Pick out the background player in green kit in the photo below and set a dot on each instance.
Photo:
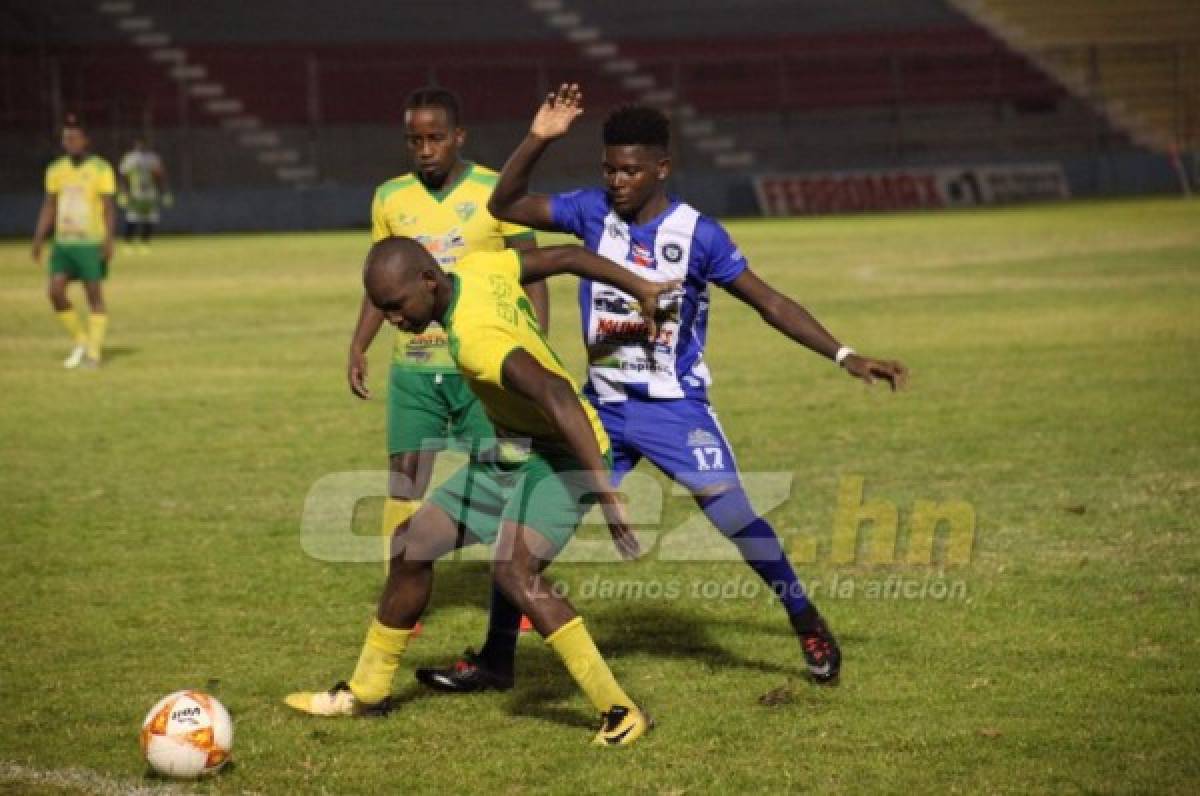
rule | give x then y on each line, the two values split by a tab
144	188
442	204
79	209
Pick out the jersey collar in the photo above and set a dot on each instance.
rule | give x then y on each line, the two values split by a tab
672	203
440	196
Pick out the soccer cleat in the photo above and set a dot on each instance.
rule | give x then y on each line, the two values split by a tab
821	652
76	357
467	675
337	701
526	626
91	363
622	726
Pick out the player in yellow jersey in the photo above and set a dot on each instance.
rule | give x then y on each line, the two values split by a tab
79	209
526	492
442	204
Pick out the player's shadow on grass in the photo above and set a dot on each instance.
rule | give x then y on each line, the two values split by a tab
652	631
113	353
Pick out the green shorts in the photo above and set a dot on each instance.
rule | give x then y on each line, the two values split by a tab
549	492
79	261
425	410
142	211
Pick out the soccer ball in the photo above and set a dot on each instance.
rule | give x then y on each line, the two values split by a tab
187	734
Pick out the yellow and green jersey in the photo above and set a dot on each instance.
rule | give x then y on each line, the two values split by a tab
451	224
79	191
488	318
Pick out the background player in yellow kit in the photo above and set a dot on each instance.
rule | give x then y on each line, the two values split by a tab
79	209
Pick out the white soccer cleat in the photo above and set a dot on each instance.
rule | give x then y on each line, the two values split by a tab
76	357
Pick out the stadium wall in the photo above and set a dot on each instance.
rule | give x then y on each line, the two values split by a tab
717	193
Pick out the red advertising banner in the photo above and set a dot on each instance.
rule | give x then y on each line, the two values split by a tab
908	189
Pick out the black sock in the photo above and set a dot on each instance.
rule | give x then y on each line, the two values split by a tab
805	622
504	625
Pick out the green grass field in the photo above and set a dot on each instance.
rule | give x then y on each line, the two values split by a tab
151	537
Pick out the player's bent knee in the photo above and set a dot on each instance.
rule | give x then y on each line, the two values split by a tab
514	580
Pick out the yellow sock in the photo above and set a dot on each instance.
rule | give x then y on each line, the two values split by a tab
381	652
97	326
574	645
69	318
394	512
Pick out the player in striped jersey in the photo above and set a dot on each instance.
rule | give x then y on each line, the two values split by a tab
653	398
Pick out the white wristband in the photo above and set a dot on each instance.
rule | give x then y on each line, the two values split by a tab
842	353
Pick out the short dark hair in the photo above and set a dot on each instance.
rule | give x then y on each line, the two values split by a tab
71	122
637	125
435	97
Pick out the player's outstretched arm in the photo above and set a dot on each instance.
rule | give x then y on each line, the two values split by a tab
797	323
558	400
553	260
511	199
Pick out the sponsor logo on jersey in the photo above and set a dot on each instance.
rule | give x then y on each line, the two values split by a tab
615	229
608	329
699	437
612	303
444	248
640	255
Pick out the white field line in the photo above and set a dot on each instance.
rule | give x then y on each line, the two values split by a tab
79	779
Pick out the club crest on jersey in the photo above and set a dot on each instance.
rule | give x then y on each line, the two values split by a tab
672	253
640	255
403	219
465	210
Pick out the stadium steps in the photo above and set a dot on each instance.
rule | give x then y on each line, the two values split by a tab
721	148
1136	61
245	129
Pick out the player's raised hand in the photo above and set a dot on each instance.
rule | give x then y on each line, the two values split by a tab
561	108
869	370
356	374
623	537
652	296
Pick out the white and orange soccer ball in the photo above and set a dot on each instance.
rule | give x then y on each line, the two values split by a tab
187	734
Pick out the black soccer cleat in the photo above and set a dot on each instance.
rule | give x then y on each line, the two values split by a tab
821	652
466	675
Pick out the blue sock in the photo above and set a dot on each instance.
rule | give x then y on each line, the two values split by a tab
504	626
755	539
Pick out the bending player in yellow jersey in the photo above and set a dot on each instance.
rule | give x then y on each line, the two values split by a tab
442	204
526	492
79	209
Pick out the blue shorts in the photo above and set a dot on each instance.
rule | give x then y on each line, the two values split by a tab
680	437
